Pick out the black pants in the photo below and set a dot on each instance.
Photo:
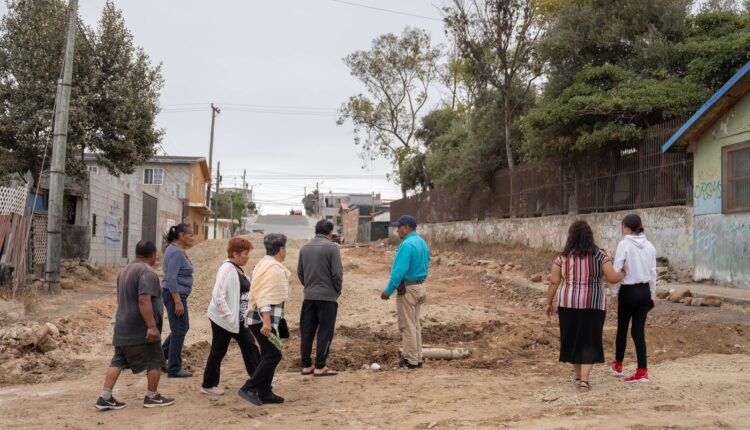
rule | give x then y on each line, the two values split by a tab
634	302
219	346
317	316
270	357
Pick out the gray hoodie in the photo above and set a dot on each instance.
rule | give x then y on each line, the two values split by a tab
637	256
320	270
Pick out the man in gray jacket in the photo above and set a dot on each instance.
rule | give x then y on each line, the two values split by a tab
321	273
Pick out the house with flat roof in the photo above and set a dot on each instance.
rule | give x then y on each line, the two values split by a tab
105	216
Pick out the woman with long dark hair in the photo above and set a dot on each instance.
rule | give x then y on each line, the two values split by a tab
178	283
635	297
581	302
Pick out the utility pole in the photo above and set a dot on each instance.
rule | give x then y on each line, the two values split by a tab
231	214
216	206
317	200
59	144
214	111
244	198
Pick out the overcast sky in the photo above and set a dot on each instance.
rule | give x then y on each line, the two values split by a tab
267	53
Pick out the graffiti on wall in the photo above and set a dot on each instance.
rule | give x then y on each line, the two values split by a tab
705	241
707	196
114	208
708	190
112	233
722	247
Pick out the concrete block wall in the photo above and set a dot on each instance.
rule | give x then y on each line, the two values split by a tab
722	248
670	229
351	226
106	200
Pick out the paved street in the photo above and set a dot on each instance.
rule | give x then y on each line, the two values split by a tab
294	227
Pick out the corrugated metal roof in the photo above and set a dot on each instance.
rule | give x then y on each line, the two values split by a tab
729	94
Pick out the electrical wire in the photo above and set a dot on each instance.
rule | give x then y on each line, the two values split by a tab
252	108
386	10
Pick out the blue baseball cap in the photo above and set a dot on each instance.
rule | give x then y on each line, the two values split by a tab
405	220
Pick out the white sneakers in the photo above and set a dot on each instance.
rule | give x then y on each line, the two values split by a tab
215	391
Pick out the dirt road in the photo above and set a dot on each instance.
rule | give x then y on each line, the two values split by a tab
699	363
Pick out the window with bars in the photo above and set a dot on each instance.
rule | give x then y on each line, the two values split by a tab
93	169
736	178
153	176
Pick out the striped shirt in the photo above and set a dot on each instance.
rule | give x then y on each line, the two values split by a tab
582	281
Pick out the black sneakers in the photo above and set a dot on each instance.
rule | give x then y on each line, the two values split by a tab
109	405
403	364
251	396
272	399
157	402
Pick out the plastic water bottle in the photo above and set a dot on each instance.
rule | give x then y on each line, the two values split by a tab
276	341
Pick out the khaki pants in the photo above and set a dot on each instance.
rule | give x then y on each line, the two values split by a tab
408	307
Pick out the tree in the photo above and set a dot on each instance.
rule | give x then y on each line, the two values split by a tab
397	73
445	134
230	205
604	106
125	99
456	77
715	46
414	173
462	145
636	35
498	38
720	6
114	97
309	202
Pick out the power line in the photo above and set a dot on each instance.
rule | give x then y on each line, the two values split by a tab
203	106
259	111
270	172
386	10
292	177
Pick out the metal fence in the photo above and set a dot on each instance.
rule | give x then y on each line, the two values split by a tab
631	176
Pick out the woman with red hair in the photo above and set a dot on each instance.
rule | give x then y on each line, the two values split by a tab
229	301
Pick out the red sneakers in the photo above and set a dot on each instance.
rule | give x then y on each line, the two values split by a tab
616	368
641	375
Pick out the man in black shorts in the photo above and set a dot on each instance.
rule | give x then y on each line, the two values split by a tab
137	337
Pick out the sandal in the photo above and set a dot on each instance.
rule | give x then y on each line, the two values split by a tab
325	372
305	372
576	381
584	385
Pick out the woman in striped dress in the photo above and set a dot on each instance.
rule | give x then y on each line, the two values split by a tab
581	305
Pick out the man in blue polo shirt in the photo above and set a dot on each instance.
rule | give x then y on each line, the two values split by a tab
408	277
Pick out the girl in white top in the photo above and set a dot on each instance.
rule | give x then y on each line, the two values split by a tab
633	299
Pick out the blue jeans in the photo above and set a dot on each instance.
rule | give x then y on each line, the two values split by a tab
178	327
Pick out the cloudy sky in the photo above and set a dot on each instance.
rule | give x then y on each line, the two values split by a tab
275	70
